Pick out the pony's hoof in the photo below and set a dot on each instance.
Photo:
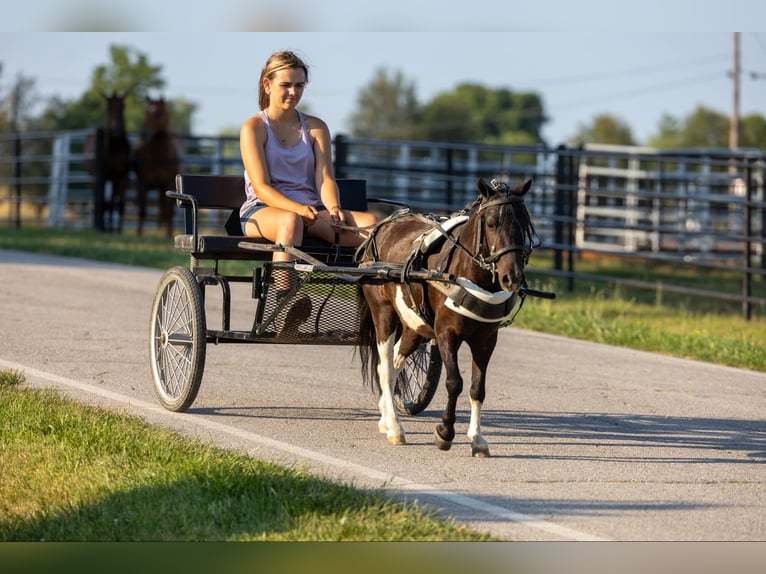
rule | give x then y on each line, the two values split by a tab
480	452
396	439
440	443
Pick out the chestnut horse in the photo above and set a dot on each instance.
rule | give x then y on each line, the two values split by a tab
109	150
485	250
157	162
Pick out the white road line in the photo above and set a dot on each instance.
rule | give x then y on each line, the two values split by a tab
390	481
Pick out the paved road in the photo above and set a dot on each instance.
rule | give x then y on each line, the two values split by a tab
589	442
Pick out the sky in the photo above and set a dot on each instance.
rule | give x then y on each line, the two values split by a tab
635	62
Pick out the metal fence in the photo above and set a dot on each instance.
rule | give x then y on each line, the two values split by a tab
693	211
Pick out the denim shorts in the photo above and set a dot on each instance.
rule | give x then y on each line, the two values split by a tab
245	217
253	209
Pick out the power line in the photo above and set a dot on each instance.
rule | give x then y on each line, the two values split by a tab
629	72
648	90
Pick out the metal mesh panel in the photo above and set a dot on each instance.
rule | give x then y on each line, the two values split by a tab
320	308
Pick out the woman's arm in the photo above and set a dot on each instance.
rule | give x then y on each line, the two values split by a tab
323	175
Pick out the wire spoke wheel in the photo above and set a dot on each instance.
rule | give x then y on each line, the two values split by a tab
417	383
178	338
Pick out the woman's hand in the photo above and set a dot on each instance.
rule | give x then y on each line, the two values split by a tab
336	214
309	215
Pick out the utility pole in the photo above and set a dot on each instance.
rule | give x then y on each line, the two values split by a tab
734	122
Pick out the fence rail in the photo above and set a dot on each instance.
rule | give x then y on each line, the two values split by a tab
701	210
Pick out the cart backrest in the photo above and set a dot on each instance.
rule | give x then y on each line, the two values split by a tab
227	192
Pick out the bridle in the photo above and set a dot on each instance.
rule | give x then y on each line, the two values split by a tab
486	256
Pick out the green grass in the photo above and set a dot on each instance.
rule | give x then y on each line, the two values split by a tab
682	331
77	473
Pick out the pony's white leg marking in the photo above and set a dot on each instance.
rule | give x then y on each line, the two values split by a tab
398	360
389	422
407	315
382	425
479	446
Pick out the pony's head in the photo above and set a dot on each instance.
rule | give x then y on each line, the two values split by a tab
505	236
115	110
156	116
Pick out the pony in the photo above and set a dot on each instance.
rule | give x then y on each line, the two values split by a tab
109	155
481	254
156	163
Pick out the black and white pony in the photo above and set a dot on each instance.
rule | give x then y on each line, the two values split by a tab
485	250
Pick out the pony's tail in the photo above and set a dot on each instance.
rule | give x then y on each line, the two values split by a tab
368	348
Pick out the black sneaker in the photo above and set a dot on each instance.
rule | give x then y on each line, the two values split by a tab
298	313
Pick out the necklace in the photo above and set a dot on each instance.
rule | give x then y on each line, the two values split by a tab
285	132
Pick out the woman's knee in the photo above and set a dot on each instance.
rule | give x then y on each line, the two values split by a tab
277	225
289	227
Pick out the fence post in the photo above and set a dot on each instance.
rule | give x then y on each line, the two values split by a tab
747	213
57	186
450	175
17	175
558	209
563	213
98	182
341	156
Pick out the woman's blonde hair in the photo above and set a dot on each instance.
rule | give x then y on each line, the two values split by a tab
278	61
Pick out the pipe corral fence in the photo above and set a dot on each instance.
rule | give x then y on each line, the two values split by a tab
698	211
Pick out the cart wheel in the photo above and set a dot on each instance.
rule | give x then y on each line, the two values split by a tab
419	379
178	339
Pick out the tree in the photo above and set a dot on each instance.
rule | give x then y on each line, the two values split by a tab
386	108
706	128
447	118
604	129
703	128
16	106
752	131
474	113
669	133
127	72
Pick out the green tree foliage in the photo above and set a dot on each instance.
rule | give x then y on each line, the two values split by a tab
128	72
752	131
386	108
16	104
475	113
446	118
669	133
604	129
703	128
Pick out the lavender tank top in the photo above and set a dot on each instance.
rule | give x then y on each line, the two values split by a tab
291	169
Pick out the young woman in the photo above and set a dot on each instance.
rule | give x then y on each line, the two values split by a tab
290	187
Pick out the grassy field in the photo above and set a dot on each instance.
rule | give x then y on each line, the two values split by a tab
76	473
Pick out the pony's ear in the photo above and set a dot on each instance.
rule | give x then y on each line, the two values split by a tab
484	188
523	188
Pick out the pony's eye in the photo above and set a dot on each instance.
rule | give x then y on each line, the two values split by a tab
492	224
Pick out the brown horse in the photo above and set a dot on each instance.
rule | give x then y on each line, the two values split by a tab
485	250
108	150
157	162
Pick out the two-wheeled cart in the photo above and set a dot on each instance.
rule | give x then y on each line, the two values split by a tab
322	307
